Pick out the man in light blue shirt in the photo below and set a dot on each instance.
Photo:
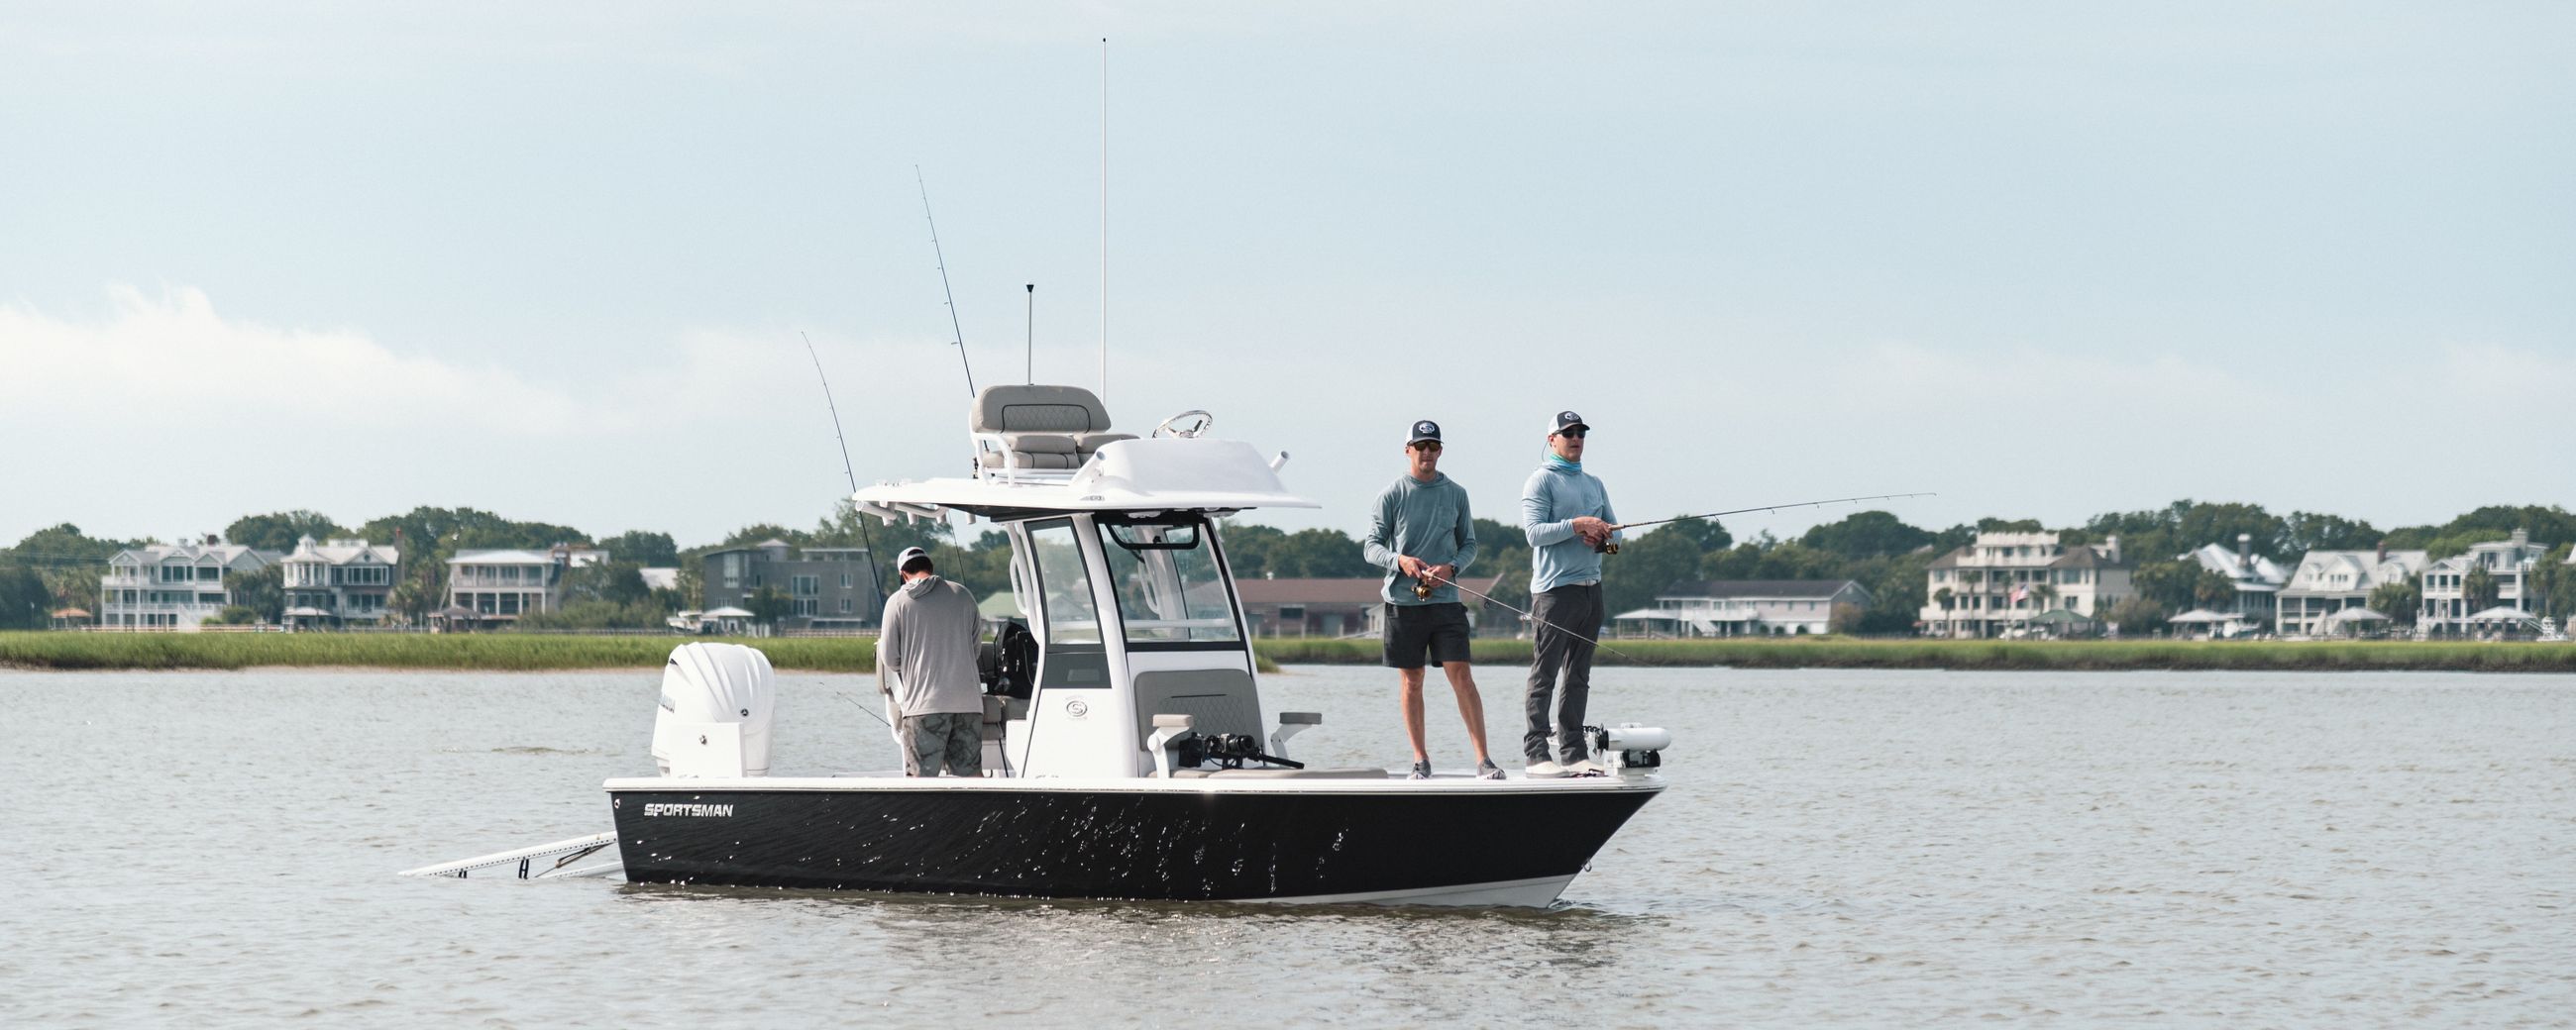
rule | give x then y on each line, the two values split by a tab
1423	535
1566	513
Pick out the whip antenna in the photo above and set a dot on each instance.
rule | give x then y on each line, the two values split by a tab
942	256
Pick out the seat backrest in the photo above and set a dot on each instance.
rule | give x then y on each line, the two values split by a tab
1037	409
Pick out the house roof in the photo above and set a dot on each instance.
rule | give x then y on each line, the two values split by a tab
1758	588
501	557
2220	559
2367	569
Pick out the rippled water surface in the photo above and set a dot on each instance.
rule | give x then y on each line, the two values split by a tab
1837	849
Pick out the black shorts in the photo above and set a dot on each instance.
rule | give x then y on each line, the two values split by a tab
1413	630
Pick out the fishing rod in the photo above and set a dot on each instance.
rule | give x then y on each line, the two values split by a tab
876	584
942	256
1422	587
1612	547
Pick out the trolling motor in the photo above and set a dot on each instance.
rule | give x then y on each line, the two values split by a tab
1630	746
1229	751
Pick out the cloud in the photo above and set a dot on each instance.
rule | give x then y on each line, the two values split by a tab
171	361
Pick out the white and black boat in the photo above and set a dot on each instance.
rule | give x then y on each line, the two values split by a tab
1125	751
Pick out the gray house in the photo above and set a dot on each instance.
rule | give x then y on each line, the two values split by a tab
825	587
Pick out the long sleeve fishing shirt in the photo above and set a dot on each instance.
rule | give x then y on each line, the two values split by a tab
928	643
1550	502
1426	520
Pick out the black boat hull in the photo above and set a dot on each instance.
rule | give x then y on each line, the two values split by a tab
1501	846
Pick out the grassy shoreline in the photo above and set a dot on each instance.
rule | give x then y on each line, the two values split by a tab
504	652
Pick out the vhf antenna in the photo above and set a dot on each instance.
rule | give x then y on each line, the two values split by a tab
935	252
1033	335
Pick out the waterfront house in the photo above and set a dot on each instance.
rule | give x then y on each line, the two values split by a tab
1744	607
1343	607
493	587
826	588
1999	583
2327	582
2447	608
173	586
2256	580
337	583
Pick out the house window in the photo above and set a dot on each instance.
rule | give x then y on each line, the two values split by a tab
845	602
805	586
845	585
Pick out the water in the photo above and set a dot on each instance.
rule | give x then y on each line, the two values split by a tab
1838	848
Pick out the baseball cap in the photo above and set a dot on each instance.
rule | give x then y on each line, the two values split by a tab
1565	420
903	562
1423	430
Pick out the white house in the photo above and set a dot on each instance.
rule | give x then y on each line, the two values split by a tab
2004	580
495	587
2258	580
173	586
2447	608
2327	582
337	582
1744	607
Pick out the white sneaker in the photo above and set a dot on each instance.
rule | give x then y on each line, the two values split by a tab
1587	767
1546	770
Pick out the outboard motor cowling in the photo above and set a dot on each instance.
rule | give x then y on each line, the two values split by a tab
717	700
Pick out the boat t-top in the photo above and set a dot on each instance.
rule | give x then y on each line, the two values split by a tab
1126	753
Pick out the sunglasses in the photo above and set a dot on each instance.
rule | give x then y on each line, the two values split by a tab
1428	445
1575	433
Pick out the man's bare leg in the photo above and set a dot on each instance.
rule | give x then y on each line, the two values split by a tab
1471	706
1412	679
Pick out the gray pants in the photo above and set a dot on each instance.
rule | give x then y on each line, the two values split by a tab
1562	613
955	740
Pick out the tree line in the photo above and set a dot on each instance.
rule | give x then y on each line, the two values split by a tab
60	567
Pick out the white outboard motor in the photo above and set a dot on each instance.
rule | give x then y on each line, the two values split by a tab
716	706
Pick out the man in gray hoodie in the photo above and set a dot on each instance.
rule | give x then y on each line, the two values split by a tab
926	661
1422	535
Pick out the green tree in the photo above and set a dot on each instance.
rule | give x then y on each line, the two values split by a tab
2308	531
25	602
767	605
2480	589
647	549
1867	534
2170	584
279	531
2212	589
2137	616
261	590
1709	535
1647	565
616	583
2554	583
596	614
234	615
2398	599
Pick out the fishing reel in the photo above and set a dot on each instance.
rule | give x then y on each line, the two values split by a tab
1606	547
1228	751
1422	589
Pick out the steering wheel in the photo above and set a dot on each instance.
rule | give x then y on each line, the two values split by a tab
1205	422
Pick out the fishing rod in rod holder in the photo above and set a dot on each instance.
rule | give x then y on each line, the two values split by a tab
1609	546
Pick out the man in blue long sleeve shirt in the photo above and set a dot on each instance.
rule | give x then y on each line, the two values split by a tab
1566	513
1422	534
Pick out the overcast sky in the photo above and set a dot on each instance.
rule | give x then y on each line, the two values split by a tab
2046	259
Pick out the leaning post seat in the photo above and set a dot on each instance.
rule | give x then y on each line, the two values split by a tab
1048	431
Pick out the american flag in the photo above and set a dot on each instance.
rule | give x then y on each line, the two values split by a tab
2020	592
